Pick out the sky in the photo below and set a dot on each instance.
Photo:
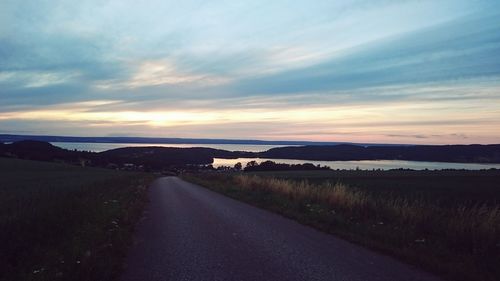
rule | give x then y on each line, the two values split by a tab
421	72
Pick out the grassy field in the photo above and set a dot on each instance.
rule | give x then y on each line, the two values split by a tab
447	222
61	222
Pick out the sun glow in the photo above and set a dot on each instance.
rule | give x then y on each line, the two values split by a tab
320	123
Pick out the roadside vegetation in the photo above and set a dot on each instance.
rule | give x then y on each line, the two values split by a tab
62	222
447	222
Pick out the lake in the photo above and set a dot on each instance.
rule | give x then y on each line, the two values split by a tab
364	164
98	147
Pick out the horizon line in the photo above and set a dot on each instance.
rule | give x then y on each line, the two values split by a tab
5	137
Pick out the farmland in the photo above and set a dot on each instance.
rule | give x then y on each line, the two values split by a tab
62	222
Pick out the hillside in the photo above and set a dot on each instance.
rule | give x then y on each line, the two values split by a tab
157	158
433	153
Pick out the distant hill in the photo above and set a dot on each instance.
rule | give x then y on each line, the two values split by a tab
44	151
434	153
150	157
157	158
160	156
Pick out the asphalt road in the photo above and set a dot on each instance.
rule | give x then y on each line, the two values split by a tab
191	233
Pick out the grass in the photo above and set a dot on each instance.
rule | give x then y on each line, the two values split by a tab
440	224
61	222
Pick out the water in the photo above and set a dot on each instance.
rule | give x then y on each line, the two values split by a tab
98	147
364	164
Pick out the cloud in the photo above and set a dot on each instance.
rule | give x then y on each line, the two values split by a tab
160	72
326	70
462	49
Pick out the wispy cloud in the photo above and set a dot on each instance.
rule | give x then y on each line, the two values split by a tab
462	49
347	71
160	72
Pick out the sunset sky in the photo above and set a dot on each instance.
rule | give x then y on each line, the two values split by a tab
358	71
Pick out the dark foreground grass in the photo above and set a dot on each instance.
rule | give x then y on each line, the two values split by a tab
447	222
61	222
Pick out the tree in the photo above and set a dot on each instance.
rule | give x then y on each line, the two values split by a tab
238	166
252	163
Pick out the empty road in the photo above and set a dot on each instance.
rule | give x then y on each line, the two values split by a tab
191	233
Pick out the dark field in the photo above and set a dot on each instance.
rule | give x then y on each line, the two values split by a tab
61	222
447	222
447	187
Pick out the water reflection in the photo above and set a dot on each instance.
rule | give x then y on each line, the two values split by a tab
365	164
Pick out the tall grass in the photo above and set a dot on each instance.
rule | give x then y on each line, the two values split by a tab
478	226
459	240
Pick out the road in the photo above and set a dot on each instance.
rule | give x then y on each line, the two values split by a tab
191	233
